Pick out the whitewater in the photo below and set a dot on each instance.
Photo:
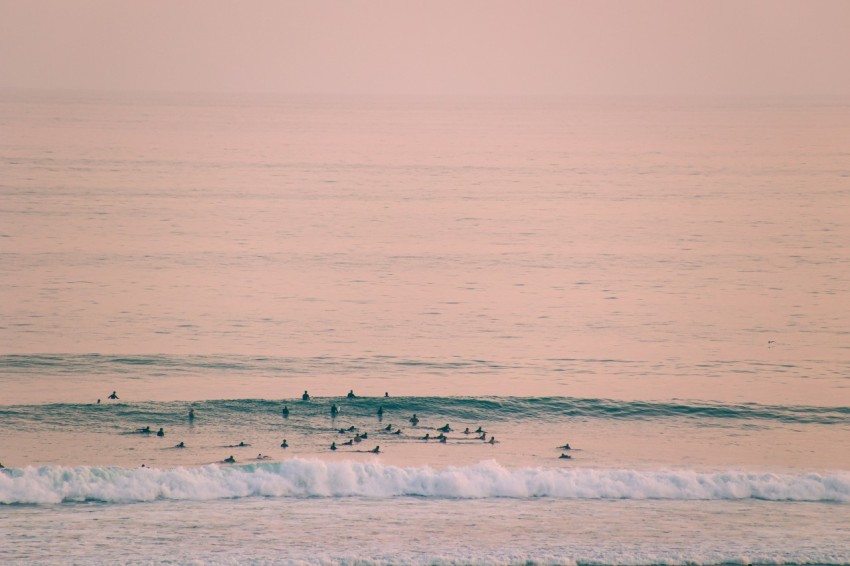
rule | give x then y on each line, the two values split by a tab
311	478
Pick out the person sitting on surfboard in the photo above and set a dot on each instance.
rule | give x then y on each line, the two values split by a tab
305	397
376	450
230	460
113	396
351	394
160	432
284	444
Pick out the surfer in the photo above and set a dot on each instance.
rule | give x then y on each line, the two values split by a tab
565	457
446	428
386	394
181	445
565	447
479	430
427	436
284	444
305	397
285	412
145	430
380	412
191	414
442	438
113	396
398	431
334	410
230	460
160	432
333	445
482	437
351	394
98	401
389	428
492	440
414	420
466	431
262	457
349	443
376	450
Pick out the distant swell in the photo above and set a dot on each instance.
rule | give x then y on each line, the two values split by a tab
481	409
313	478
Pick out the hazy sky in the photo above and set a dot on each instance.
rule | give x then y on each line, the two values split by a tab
775	47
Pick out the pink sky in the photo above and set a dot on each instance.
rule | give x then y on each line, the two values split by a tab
747	47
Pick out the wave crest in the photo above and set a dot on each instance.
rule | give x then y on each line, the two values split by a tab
314	478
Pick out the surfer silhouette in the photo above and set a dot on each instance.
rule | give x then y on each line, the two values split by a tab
113	396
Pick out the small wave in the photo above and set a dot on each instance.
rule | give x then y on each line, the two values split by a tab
314	478
468	409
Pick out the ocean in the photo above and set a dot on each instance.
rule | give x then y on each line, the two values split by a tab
658	283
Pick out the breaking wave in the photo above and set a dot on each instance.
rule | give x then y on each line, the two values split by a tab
313	478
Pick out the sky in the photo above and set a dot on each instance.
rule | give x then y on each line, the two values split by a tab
537	47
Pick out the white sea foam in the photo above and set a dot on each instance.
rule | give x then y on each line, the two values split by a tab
314	478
